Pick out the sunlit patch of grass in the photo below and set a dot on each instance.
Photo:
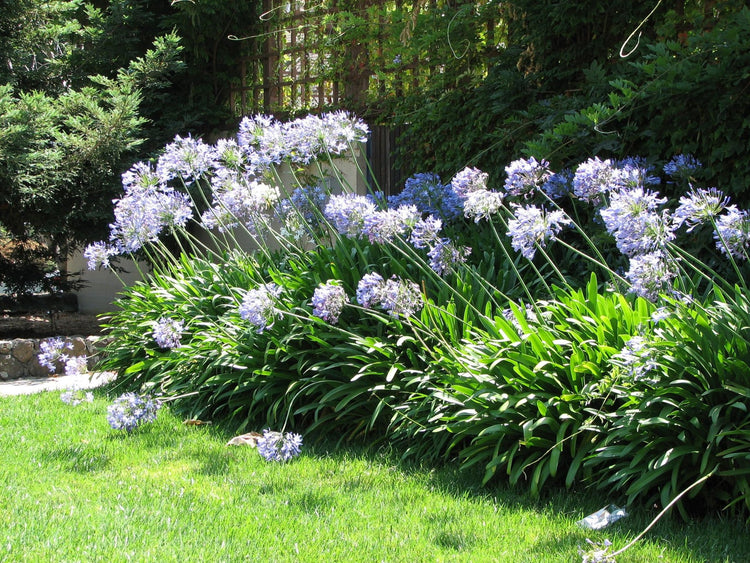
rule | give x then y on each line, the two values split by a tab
73	489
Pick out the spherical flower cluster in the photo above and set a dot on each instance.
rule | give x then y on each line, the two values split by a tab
141	215
98	254
185	158
267	141
168	332
733	232
682	166
238	203
427	192
638	359
347	213
130	410
594	178
259	306
385	225
526	176
445	256
634	172
632	219
328	300
397	296
51	353
482	204
425	232
651	274
700	206
76	365
275	446
532	226
469	180
558	185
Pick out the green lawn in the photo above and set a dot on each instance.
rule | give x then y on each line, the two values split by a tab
72	489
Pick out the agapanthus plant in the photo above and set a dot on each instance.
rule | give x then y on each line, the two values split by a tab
277	446
52	353
130	410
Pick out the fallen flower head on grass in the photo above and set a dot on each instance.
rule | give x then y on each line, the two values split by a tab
275	446
130	410
75	397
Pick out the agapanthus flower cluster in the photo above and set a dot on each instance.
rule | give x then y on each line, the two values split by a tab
275	446
259	306
383	226
651	274
51	353
445	256
168	332
347	213
76	365
430	196
98	254
130	410
634	222
268	141
75	397
533	226
396	296
524	177
328	300
700	206
301	212
732	232
238	203
594	178
145	210
634	172
185	158
682	166
426	232
482	204
469	180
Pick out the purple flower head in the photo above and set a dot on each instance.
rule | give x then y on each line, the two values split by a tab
632	220
168	332
682	166
76	365
559	184
301	213
275	446
401	297
129	411
370	290
732	232
594	178
141	216
482	204
469	180
140	178
430	196
240	203
638	359
185	158
445	256
229	160
532	226
651	274
526	176
635	172
259	306
383	226
75	397
699	206
328	301
426	232
98	253
348	212
51	352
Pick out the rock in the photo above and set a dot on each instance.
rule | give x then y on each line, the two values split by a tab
23	350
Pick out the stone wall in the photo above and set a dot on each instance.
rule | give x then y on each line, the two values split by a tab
18	357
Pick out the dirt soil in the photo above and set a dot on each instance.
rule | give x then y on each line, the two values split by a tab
42	326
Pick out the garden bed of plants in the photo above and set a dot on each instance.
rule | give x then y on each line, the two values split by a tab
552	328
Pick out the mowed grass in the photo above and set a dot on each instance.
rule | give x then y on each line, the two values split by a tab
72	489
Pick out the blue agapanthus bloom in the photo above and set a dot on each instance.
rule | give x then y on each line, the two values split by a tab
651	274
275	446
732	232
168	332
328	301
430	196
632	219
532	226
348	212
130	410
700	206
524	176
259	306
51	352
445	257
682	166
370	289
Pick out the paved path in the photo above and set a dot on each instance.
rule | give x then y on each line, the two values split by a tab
59	383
